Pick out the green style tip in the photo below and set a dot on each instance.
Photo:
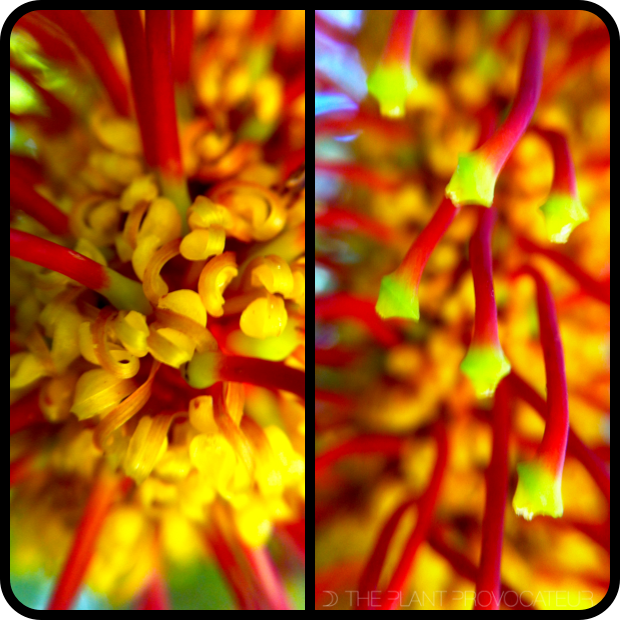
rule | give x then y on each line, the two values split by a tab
563	213
391	85
473	181
485	367
396	300
538	492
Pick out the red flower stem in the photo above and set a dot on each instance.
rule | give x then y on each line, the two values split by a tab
426	513
24	197
21	469
591	462
369	581
123	293
26	413
103	494
488	582
183	45
271	375
344	305
386	445
345	219
481	262
500	145
552	447
156	594
132	33
597	289
60	115
398	46
359	175
418	254
464	567
584	47
266	578
49	41
295	89
263	24
88	42
159	53
563	169
296	531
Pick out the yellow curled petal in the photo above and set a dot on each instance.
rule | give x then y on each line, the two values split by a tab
141	189
186	303
265	317
213	457
124	411
162	220
154	286
56	396
26	369
132	330
234	397
203	243
116	361
147	445
261	212
205	213
214	278
201	415
97	392
143	254
272	272
116	133
169	346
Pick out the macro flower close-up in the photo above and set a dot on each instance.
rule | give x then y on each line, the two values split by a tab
462	309
157	309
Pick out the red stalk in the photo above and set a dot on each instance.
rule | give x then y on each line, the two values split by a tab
481	262
385	445
398	46
132	32
295	89
58	258
263	24
271	375
595	288
21	469
50	42
552	448
563	169
500	145
266	578
24	197
464	567
412	266
102	496
488	582
369	581
26	413
344	305
345	219
426	513
183	45
592	463
357	174
60	116
123	293
156	594
159	53
88	42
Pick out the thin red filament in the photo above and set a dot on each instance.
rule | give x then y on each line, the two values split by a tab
159	53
